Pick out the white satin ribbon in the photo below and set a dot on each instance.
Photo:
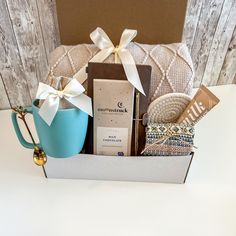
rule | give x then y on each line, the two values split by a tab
103	42
73	93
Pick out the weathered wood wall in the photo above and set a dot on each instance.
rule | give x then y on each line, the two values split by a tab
210	34
29	32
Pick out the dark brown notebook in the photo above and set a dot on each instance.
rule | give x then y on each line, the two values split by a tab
116	71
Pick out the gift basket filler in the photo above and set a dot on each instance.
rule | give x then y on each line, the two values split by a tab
116	112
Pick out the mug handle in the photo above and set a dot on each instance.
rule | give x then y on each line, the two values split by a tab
20	137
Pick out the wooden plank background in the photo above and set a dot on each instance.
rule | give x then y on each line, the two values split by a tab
25	43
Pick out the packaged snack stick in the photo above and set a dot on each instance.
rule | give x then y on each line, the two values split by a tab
203	101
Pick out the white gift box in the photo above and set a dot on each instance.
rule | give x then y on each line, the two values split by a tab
163	169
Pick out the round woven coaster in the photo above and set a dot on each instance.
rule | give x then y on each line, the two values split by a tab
167	108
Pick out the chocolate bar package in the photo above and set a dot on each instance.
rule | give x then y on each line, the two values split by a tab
110	71
113	117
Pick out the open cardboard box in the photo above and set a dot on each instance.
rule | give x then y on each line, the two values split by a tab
157	21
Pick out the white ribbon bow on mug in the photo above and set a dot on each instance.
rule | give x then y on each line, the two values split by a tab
103	42
73	93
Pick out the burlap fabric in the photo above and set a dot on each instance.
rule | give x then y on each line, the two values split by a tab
172	67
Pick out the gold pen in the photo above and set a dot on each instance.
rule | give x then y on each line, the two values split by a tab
136	123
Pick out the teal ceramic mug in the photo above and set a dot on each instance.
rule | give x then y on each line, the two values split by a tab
63	138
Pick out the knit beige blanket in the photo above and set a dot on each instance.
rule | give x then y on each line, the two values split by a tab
172	67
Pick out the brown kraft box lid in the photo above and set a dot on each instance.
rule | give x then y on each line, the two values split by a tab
157	21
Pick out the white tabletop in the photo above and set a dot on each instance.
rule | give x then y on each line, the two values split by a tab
206	205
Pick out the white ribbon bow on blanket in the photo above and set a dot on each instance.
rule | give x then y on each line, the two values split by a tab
103	42
73	93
